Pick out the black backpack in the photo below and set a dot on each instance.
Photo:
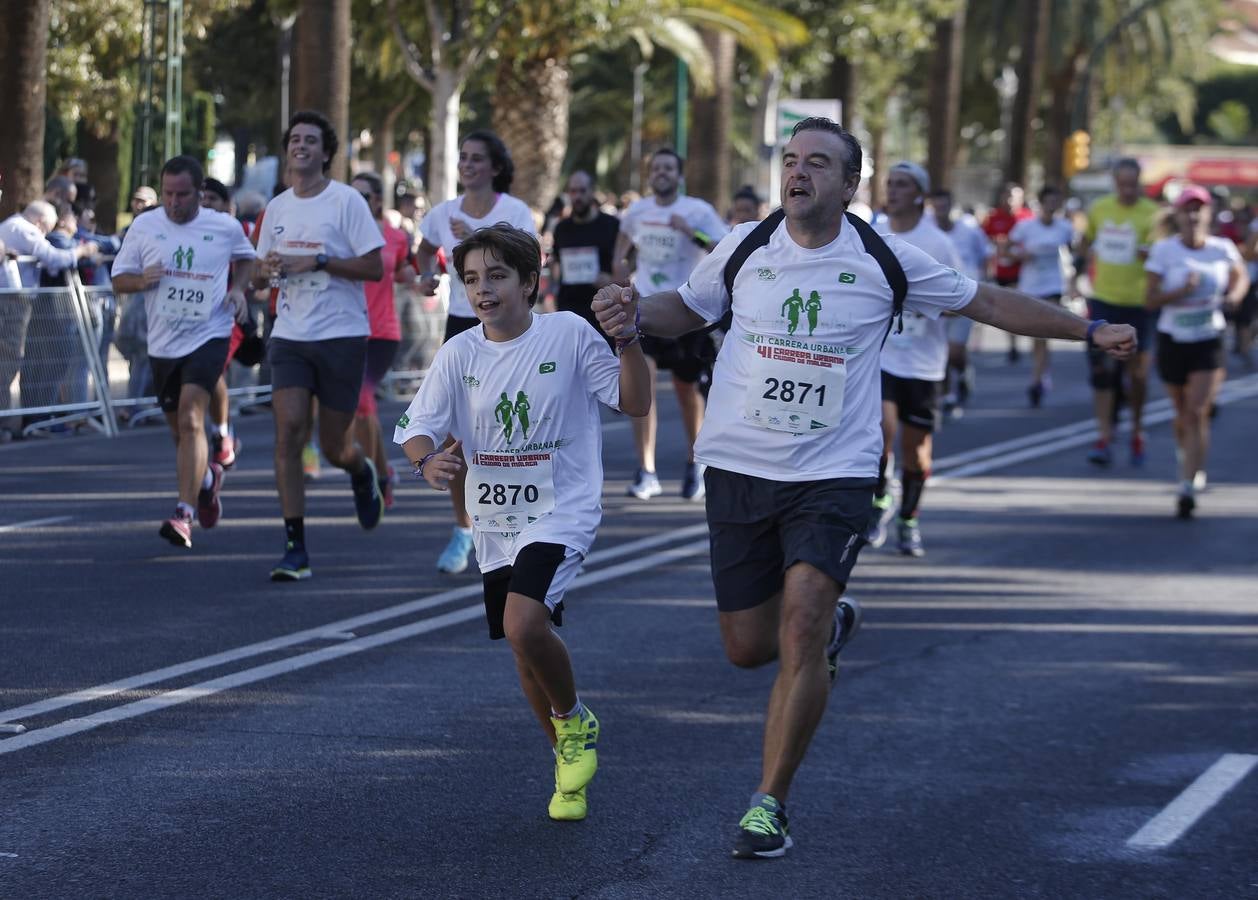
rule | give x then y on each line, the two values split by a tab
875	246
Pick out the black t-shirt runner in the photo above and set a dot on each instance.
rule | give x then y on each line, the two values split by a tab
582	251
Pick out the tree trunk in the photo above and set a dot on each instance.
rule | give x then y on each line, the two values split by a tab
321	68
945	98
1026	103
708	169
385	143
23	55
842	87
100	152
529	92
443	159
878	150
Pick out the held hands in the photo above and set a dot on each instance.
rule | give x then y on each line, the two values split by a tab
443	466
1119	341
616	308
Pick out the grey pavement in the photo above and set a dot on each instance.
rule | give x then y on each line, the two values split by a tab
1063	663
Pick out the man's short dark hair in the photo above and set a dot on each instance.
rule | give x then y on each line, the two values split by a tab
1049	190
942	192
516	248
328	133
669	151
747	192
1127	162
499	158
377	184
586	175
852	168
181	165
216	187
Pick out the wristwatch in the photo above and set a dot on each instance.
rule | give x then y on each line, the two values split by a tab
321	262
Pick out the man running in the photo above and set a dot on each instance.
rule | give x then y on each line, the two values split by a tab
318	245
1119	232
1192	276
584	244
179	257
788	498
975	250
914	366
669	233
485	174
224	445
1010	210
535	501
1042	245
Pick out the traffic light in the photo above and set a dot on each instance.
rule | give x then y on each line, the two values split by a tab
1077	154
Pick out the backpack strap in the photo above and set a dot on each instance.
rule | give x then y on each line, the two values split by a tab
758	238
876	247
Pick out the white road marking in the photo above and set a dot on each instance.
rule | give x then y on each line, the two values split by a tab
1197	799
314	657
34	523
166	673
1046	443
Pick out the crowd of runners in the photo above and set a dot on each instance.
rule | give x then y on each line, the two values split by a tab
807	349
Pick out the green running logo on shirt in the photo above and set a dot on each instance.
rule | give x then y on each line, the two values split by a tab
546	368
182	258
847	278
510	414
795	304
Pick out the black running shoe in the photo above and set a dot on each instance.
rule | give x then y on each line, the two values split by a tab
847	621
368	500
763	833
1184	508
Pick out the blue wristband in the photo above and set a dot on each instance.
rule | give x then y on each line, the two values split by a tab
1092	330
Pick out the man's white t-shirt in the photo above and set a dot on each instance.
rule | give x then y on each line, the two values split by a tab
796	393
920	350
666	257
527	413
1199	316
317	306
973	247
435	229
186	309
1043	272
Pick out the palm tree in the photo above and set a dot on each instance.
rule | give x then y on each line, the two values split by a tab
945	96
321	67
23	48
535	57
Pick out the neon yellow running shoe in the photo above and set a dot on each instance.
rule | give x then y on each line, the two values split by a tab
576	760
567	807
310	462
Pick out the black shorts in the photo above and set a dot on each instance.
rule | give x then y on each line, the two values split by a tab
689	357
760	528
201	367
537	572
1176	361
330	369
458	325
1136	316
916	401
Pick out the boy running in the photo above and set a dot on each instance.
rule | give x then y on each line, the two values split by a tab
520	394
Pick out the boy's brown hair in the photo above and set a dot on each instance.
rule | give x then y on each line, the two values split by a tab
517	249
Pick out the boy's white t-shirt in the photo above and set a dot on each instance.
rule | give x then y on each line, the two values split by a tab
527	413
665	256
435	229
920	350
186	309
796	392
1199	316
316	306
1043	273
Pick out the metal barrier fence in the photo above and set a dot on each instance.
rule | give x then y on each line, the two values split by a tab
50	348
58	346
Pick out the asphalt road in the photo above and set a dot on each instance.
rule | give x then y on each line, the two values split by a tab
1066	662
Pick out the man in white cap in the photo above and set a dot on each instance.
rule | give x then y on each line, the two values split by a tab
914	365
